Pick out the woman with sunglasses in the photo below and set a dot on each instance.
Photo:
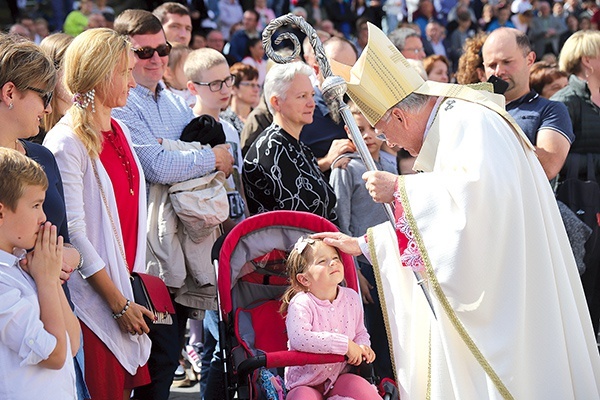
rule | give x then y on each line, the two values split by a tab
245	95
105	195
27	80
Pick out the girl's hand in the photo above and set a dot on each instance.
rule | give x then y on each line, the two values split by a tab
368	354
132	321
354	353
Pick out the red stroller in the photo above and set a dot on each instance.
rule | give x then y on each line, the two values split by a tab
251	280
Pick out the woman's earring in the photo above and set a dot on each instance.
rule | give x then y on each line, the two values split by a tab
10	106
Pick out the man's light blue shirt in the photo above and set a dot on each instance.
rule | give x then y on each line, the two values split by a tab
151	117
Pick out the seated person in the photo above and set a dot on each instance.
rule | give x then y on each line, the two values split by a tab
324	317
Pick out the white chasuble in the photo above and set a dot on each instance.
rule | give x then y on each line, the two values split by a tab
511	318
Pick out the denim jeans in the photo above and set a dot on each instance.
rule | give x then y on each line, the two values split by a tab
212	382
78	362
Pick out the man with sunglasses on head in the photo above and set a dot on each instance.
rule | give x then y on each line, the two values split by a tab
152	114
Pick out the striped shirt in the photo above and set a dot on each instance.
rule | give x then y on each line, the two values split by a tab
164	116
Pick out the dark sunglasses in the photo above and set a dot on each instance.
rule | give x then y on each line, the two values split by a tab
46	96
145	53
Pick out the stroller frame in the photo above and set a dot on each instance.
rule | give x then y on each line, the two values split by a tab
252	238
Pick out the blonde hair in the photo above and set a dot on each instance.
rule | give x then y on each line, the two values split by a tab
471	60
429	61
353	107
298	262
201	60
55	47
178	53
89	64
580	44
24	64
17	172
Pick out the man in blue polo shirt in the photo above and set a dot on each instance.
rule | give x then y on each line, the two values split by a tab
507	54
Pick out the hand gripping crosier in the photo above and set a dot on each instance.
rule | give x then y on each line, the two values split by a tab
333	89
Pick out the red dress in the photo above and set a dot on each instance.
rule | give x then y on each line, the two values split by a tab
105	376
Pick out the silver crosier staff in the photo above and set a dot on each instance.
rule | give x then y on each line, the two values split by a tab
333	89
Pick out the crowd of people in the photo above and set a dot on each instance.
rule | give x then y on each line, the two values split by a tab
120	106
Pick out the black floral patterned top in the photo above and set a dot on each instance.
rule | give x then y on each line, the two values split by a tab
281	173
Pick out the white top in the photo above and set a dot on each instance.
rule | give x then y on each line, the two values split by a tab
91	231
24	343
261	66
510	309
232	137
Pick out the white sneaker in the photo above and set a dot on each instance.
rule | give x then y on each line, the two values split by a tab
191	353
179	373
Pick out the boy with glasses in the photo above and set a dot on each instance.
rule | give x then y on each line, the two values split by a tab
211	81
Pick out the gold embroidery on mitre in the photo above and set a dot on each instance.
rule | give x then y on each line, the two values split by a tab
380	78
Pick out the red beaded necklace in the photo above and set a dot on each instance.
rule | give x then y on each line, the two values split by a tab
115	142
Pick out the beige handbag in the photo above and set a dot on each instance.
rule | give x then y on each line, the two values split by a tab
201	204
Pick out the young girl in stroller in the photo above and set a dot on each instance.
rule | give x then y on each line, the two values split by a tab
324	317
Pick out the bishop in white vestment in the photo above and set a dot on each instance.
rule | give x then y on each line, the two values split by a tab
481	224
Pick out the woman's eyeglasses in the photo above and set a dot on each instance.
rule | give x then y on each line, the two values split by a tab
217	85
145	53
251	85
46	96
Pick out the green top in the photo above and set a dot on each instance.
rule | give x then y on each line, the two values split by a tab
75	23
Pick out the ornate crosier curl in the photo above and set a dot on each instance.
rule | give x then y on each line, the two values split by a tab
333	89
83	100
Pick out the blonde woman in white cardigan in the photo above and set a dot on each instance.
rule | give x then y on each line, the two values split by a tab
105	197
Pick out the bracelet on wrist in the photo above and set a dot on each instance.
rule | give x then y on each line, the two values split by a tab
123	311
78	267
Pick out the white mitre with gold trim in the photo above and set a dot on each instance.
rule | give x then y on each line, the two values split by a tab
382	77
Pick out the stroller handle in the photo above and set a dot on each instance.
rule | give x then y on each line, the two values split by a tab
280	359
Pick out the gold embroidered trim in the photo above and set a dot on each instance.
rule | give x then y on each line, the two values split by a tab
382	301
428	394
439	293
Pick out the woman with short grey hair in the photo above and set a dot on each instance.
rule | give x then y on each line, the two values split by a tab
279	171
